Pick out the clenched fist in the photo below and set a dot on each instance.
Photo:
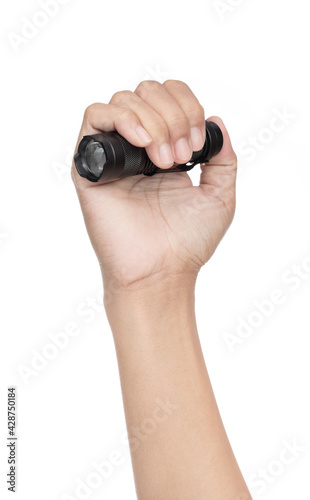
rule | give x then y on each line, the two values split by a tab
149	228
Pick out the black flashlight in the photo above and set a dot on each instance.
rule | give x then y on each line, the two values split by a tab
108	156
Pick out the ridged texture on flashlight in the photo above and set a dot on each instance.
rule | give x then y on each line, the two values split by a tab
134	157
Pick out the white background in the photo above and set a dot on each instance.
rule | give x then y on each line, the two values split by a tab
247	63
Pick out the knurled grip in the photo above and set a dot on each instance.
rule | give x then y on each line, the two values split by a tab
134	158
137	162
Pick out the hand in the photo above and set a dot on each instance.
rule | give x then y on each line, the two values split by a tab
144	228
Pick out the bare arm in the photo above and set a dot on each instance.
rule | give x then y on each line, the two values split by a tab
178	443
151	237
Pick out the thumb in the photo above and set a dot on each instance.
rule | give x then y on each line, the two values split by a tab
221	170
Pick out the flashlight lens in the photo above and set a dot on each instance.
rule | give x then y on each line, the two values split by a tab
95	157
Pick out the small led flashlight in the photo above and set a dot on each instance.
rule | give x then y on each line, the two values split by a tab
108	156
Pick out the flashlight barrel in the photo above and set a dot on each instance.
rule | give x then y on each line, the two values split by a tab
122	159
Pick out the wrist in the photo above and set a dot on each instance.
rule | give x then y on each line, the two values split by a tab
160	286
159	303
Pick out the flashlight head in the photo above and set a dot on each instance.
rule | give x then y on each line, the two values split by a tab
107	157
95	157
90	160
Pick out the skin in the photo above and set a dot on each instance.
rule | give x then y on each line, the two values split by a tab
151	237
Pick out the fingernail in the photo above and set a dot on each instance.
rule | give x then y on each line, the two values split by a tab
165	154
197	138
182	150
143	134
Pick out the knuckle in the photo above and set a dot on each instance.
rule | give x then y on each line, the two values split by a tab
232	165
90	110
121	97
175	83
197	112
178	123
196	115
234	162
158	129
126	114
147	86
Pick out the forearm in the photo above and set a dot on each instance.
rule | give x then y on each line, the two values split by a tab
178	443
